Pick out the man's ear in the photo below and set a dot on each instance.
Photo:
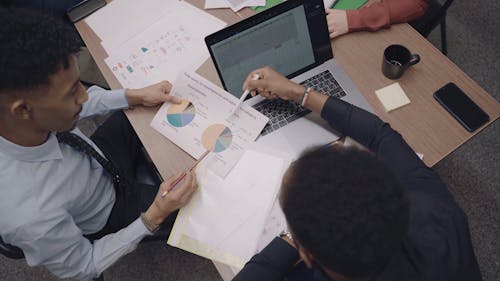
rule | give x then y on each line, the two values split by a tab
21	109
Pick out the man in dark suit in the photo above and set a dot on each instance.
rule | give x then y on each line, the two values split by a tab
353	214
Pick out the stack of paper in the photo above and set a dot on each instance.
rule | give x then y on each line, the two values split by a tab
235	5
152	40
225	219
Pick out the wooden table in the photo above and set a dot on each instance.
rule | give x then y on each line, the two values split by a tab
424	124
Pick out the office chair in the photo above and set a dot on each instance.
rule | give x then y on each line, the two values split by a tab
10	251
435	14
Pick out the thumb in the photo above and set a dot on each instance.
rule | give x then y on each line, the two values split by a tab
172	99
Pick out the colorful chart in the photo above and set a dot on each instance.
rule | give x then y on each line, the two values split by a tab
180	115
218	137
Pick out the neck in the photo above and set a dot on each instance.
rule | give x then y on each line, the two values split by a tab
22	133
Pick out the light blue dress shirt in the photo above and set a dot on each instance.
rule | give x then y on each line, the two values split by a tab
51	195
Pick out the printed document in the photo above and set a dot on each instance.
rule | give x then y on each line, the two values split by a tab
161	51
202	122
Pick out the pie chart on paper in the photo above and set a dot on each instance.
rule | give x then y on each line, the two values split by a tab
180	115
218	137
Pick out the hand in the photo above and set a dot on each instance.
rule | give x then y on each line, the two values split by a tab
151	95
272	84
337	22
177	198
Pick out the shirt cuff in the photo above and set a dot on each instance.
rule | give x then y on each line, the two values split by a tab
116	98
354	20
134	232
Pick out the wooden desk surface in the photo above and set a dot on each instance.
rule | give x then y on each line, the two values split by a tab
424	124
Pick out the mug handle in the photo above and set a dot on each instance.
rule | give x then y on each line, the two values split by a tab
415	58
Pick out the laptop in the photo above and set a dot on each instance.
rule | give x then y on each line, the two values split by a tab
292	38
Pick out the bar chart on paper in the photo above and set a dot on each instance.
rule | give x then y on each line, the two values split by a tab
180	115
217	137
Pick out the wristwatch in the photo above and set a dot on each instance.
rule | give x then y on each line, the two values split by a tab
150	225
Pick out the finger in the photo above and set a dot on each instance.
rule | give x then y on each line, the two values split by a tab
172	99
163	189
174	179
165	86
191	188
257	84
195	180
181	191
186	182
250	78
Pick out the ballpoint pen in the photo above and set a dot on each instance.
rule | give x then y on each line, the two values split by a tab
243	96
183	175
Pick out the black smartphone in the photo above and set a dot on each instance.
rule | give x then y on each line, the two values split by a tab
460	106
84	8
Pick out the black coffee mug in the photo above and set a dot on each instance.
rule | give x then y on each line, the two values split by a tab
396	60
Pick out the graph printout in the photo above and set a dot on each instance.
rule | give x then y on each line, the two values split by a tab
173	43
202	121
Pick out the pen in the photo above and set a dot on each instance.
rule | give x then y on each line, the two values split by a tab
183	175
243	96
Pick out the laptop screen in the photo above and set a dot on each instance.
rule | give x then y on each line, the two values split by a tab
280	39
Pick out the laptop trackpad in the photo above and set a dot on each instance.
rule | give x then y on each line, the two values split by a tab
294	138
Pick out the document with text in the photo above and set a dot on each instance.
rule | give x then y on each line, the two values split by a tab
173	42
202	121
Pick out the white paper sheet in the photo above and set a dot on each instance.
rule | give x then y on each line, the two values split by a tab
226	212
203	121
165	48
235	5
275	224
121	20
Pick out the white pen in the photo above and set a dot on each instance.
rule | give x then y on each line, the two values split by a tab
243	96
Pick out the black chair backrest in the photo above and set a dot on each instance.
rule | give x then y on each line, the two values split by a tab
10	251
432	17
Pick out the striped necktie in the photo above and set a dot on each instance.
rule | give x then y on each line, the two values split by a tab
78	143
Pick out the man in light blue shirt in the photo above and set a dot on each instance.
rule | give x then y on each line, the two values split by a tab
52	195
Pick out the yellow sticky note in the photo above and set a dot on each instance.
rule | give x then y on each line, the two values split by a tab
392	97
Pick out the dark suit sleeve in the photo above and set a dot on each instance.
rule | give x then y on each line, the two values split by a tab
272	263
438	233
376	135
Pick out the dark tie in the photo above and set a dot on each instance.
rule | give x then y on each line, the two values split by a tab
78	143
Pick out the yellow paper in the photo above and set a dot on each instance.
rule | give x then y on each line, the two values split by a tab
392	97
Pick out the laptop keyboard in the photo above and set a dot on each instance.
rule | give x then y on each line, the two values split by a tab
281	112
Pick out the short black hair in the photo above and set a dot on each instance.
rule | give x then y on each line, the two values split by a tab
33	46
346	207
